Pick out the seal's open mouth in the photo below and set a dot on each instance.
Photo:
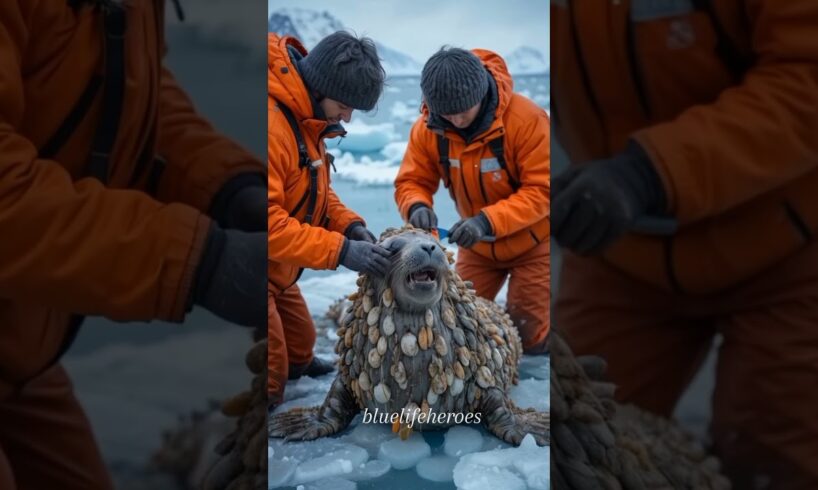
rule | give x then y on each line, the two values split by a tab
423	277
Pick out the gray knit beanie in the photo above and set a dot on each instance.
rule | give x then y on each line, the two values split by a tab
344	68
453	81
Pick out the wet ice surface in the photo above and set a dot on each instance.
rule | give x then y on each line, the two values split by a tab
371	456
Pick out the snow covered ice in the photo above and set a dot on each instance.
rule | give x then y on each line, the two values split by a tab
516	468
462	440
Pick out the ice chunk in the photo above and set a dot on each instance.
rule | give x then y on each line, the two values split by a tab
370	470
365	171
436	468
370	436
405	112
280	471
365	138
404	454
532	393
526	466
394	151
332	484
461	440
335	463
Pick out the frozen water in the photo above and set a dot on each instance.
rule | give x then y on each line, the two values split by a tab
370	436
437	468
280	471
335	463
531	393
364	138
370	470
526	466
404	454
462	440
331	484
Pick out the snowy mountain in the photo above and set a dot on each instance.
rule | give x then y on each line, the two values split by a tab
311	26
526	60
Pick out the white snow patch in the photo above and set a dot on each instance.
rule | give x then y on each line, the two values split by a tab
321	292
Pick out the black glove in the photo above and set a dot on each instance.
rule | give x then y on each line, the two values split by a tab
242	204
466	232
357	231
365	257
422	216
231	280
594	204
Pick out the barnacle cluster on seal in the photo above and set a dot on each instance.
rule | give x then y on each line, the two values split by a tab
419	341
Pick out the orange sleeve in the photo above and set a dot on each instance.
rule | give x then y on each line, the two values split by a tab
340	216
419	176
78	246
755	136
532	153
199	159
288	240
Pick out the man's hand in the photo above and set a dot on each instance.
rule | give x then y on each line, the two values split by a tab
596	203
422	216
365	257
466	232
231	280
243	209
357	231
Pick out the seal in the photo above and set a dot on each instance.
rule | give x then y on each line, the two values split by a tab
419	341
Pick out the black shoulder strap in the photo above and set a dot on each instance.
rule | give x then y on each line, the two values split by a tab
113	86
498	150
74	118
303	162
113	92
443	157
737	62
303	156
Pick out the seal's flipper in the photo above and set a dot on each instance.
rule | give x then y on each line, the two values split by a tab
511	423
305	424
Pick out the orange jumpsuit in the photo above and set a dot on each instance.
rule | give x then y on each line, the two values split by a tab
518	213
725	103
295	243
70	245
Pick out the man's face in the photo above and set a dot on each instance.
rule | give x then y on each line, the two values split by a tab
336	111
464	119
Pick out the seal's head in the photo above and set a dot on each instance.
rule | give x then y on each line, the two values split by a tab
419	272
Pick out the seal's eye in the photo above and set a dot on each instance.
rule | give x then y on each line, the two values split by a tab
394	244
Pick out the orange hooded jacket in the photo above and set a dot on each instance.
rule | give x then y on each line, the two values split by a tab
70	244
725	102
294	244
519	218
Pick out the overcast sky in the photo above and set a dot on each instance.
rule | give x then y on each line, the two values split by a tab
420	27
